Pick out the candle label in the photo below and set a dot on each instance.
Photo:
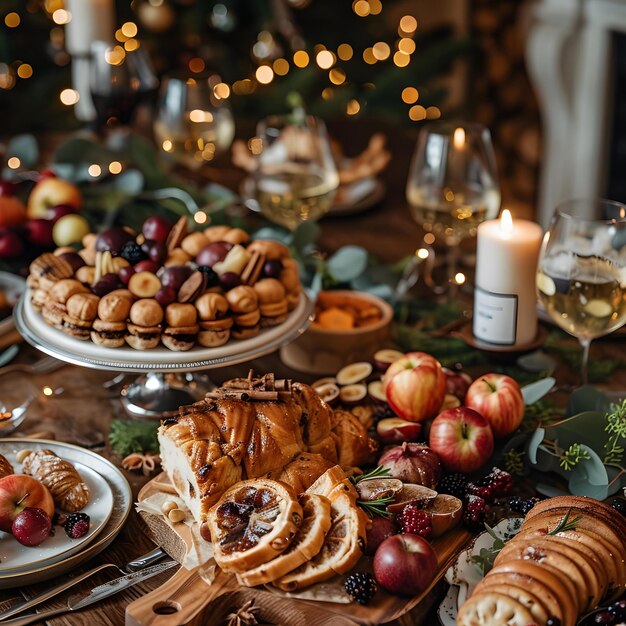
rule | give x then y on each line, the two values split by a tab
495	317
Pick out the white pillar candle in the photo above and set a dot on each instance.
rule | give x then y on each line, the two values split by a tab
90	20
505	304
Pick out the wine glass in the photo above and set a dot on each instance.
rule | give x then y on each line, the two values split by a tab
192	126
452	187
120	81
295	179
581	274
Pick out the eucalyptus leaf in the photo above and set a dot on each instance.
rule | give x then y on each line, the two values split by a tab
537	361
347	263
129	182
25	148
535	391
533	444
274	233
587	399
315	287
589	477
80	150
67	171
305	234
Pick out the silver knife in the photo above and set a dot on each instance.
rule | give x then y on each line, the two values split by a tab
81	600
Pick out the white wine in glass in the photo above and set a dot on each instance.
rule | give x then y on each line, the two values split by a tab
453	185
581	275
191	126
296	178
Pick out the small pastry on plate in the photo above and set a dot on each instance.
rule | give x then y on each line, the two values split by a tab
82	310
144	330
272	301
182	330
215	322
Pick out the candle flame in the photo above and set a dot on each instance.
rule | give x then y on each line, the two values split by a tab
506	222
459	138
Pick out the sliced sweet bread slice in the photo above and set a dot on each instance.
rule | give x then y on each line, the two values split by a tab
342	547
543	552
537	609
490	608
253	522
307	543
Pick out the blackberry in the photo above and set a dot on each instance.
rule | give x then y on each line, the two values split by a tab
618	609
77	525
212	278
474	512
415	521
515	504
361	587
132	252
619	504
527	505
453	484
604	617
553	621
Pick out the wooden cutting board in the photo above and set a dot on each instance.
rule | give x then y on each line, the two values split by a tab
185	599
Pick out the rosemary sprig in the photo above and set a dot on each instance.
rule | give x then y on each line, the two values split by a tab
377	507
565	524
378	472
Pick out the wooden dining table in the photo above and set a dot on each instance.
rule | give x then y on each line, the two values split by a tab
82	412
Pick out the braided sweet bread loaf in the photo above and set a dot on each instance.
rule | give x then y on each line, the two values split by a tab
68	490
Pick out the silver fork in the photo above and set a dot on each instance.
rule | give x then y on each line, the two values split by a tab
133	566
42	366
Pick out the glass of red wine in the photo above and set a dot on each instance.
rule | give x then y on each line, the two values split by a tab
120	81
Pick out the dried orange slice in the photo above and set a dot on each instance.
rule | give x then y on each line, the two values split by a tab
306	544
489	608
253	521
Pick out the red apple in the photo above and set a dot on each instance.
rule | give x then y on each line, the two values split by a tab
499	398
378	531
397	430
40	232
55	213
457	383
462	438
50	192
18	491
10	245
405	564
415	386
7	188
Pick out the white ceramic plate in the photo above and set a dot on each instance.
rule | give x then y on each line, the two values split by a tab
56	343
122	503
464	575
16	558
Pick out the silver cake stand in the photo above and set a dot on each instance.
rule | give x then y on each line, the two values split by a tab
169	379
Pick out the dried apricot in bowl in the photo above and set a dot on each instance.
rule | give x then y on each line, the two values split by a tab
341	311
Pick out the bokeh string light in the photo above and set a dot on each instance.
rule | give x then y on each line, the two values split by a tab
273	58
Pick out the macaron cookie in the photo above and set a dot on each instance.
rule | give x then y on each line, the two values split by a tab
144	329
215	233
108	334
215	321
181	329
48	269
82	310
114	307
244	304
272	301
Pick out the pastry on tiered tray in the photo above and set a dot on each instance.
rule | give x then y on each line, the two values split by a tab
173	288
569	555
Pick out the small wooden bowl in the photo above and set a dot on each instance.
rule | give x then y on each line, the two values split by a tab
324	351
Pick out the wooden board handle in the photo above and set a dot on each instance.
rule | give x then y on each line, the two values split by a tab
178	601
